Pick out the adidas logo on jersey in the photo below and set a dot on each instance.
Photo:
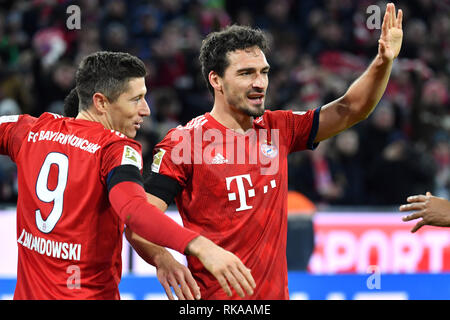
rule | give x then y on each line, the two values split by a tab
219	159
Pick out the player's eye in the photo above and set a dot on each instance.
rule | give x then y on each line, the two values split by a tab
245	72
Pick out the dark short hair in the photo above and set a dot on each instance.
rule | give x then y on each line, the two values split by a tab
71	104
108	73
214	49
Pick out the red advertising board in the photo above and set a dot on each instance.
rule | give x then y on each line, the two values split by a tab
362	242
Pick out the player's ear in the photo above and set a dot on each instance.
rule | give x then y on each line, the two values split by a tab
215	80
100	102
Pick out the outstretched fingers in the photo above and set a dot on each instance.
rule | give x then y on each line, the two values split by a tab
392	23
412	206
185	293
227	268
192	286
399	20
391	19
385	25
178	291
234	282
167	289
418	198
248	275
419	225
243	280
413	216
224	284
237	277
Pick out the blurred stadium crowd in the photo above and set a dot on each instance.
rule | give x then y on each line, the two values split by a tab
318	49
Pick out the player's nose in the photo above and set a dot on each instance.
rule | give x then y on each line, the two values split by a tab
260	81
144	111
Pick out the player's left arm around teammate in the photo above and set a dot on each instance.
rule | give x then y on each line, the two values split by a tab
129	201
365	93
169	271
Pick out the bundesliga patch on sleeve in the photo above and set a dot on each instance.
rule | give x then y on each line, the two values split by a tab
5	119
131	156
157	159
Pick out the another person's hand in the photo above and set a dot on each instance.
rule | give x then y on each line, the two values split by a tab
173	274
434	211
226	267
169	271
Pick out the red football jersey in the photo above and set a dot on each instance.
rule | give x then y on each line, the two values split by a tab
69	238
234	191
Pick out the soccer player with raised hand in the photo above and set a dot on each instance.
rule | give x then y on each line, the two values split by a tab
227	169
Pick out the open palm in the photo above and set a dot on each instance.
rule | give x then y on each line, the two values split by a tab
391	33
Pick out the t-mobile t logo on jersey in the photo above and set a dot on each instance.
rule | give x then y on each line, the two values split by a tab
242	191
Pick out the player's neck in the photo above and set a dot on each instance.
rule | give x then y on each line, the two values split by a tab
233	120
89	115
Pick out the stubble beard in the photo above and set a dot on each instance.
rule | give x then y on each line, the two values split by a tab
253	112
256	111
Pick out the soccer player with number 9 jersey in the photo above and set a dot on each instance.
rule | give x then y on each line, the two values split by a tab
80	182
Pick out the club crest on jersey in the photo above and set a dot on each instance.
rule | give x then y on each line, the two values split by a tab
131	156
157	159
269	150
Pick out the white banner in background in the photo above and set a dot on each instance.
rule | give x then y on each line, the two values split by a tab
8	249
344	243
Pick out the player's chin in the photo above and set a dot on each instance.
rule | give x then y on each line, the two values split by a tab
256	110
131	133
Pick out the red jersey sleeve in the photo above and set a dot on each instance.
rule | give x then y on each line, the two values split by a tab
122	151
13	130
298	127
172	156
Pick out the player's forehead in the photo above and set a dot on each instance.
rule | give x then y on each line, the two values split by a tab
135	87
252	57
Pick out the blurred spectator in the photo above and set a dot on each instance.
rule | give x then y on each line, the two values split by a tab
349	169
56	84
398	172
213	17
146	29
115	11
89	42
432	112
49	45
165	107
312	173
441	155
278	18
116	37
378	131
168	57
